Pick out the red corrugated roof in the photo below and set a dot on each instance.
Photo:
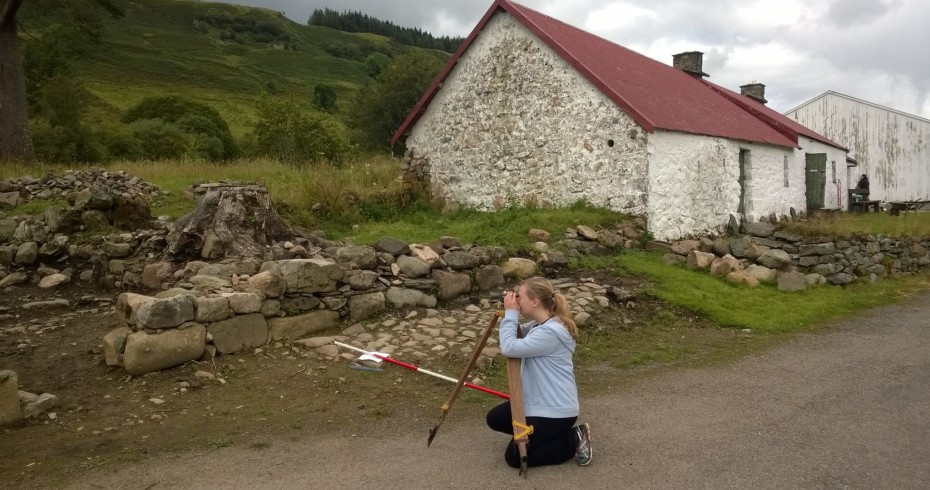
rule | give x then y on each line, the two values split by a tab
654	94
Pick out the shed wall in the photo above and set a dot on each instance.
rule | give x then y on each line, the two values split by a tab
892	148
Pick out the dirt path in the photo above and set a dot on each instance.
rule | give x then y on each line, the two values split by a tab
845	408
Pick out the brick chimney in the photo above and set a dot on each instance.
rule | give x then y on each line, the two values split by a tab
755	91
690	62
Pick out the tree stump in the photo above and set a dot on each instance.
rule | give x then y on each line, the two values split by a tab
232	220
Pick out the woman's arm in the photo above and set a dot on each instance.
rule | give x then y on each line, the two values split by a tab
539	341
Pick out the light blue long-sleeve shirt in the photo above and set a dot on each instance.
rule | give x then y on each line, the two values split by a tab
548	376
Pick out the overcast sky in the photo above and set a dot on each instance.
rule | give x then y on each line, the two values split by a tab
876	50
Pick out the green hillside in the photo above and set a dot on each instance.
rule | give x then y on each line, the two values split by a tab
223	55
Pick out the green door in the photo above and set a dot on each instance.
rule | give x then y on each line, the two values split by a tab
816	181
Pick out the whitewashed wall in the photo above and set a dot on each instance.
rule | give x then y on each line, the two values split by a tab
694	183
834	195
514	123
892	148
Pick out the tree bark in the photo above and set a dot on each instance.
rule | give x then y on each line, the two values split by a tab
231	220
15	143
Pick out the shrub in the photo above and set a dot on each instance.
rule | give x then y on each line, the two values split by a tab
207	130
285	131
160	139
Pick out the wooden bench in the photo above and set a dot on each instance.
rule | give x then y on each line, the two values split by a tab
864	206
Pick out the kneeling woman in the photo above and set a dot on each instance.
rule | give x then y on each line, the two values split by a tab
549	391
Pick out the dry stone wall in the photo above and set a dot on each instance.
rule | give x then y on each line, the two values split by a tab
765	254
203	309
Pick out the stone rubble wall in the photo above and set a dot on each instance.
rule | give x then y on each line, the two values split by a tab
765	254
204	309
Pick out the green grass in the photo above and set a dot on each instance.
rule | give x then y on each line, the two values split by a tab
763	309
507	227
156	49
847	225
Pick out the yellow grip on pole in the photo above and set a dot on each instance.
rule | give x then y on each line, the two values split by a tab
526	430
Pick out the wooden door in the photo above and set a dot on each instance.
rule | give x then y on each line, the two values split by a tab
816	180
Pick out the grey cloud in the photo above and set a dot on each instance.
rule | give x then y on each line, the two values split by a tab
844	13
872	46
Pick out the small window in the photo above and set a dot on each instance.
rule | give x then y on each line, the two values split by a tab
610	143
833	165
786	171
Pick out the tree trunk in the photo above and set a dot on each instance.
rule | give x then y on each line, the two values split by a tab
15	143
232	220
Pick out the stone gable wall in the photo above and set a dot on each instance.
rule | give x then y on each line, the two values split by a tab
514	123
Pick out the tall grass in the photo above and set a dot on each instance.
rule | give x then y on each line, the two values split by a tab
362	200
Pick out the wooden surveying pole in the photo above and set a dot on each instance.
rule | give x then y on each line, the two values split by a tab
444	410
521	431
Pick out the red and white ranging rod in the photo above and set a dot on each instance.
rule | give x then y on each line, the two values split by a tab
421	370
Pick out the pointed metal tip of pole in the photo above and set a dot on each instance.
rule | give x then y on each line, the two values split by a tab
432	434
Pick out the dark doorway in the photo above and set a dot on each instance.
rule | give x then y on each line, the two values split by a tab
744	177
816	179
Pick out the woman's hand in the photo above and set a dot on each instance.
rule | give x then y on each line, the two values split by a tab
510	301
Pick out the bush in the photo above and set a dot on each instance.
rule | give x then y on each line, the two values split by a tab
325	96
160	139
286	132
59	133
203	124
121	143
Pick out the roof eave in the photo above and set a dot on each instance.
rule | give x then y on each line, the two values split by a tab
427	97
515	12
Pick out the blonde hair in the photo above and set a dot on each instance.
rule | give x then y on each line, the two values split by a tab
540	288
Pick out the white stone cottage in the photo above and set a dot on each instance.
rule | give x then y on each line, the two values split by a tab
891	147
530	109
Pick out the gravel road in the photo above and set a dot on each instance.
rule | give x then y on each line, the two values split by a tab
847	407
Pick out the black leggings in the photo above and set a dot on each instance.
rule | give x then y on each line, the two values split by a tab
552	441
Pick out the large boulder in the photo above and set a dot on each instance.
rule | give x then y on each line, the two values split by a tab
238	333
722	266
306	275
11	412
166	313
392	246
426	254
27	253
365	306
153	275
700	260
461	260
298	327
412	266
452	284
128	305
685	247
268	283
243	303
212	309
489	277
759	229
146	353
401	297
364	257
774	259
761	273
361	280
519	268
114	344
